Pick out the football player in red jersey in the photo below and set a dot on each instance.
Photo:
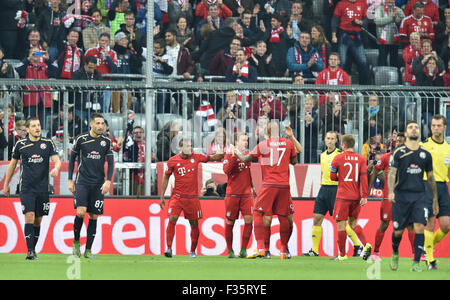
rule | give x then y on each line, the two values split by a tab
239	194
274	154
184	197
350	170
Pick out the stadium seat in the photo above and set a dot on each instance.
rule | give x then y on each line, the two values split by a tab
372	58
385	75
162	119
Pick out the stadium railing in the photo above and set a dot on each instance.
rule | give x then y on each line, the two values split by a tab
200	108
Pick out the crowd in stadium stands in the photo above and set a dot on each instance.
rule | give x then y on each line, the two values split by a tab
241	40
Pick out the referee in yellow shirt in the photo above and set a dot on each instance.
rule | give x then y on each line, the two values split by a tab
327	195
440	152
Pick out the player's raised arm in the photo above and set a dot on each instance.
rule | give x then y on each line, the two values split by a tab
290	134
9	173
433	188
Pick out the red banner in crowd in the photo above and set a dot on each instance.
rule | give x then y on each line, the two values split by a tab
137	226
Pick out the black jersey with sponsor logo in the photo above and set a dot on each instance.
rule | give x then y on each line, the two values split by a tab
92	154
411	165
34	163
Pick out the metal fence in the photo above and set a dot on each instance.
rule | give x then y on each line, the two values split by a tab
209	113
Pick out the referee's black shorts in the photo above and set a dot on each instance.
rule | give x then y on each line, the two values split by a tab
443	199
325	200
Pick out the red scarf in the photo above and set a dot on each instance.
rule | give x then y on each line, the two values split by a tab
383	37
72	62
244	71
425	70
275	35
141	158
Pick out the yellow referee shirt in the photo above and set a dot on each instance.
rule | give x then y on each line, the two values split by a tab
325	163
440	152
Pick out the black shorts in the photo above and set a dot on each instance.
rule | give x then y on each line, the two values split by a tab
325	200
443	199
39	203
409	208
89	196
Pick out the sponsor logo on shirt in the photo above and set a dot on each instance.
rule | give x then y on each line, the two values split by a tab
94	155
35	159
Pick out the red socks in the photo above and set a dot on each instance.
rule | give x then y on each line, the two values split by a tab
229	236
195	233
378	239
246	234
342	237
170	233
258	220
284	232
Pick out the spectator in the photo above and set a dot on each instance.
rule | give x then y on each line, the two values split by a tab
106	64
248	24
128	61
11	120
141	17
117	144
134	151
430	9
232	112
225	58
261	130
9	26
297	21
181	9
165	145
179	56
135	36
298	79
3	141
349	16
6	70
420	62
430	74
116	14
411	52
74	124
387	19
279	42
372	147
70	59
33	40
268	105
378	115
92	33
220	143
85	101
214	17
160	59
262	61
51	27
238	7
320	42
311	128
442	34
333	75
303	58
19	133
241	71
37	103
202	11
417	21
447	76
333	115
278	7
218	40
185	35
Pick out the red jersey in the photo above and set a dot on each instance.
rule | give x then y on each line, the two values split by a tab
185	171
409	54
274	157
330	77
239	177
383	164
431	10
348	11
350	169
103	66
411	24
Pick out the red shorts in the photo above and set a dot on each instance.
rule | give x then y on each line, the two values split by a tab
190	206
234	204
386	210
343	209
274	200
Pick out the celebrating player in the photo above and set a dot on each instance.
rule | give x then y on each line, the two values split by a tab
350	169
274	155
92	150
239	194
440	152
386	206
325	199
35	153
407	192
184	198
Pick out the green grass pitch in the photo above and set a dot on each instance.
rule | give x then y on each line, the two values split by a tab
181	267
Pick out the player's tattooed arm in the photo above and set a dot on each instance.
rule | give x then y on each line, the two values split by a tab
433	188
391	183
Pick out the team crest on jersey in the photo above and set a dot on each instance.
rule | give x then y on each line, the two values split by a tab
395	224
103	143
192	160
422	155
43	146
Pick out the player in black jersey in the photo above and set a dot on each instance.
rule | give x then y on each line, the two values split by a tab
407	193
89	188
34	153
